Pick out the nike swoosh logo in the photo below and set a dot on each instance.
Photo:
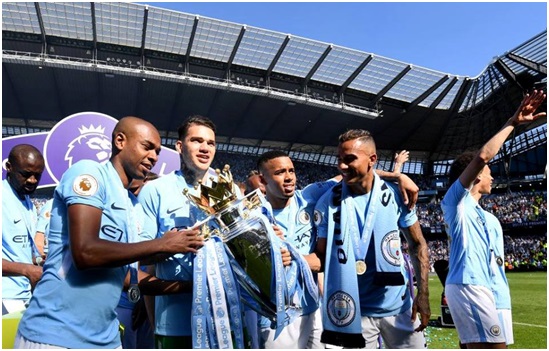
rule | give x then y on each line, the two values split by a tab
15	221
114	207
173	210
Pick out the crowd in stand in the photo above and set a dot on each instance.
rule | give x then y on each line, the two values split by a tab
519	207
525	253
509	208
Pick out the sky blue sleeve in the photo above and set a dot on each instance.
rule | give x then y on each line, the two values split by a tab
314	191
84	184
407	217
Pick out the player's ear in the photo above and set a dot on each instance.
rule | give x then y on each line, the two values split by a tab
373	158
179	146
119	141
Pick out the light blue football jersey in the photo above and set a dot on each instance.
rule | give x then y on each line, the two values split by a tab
18	228
297	222
75	308
469	259
375	301
166	207
297	219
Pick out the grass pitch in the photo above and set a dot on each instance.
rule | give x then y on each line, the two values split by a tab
529	309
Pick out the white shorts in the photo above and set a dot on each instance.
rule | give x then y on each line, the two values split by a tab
397	332
473	310
507	321
303	333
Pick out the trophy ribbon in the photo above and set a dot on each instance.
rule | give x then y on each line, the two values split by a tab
306	281
216	305
280	281
201	303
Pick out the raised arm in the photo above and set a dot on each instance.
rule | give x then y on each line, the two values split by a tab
400	159
524	114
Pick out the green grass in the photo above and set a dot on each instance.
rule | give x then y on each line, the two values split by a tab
529	303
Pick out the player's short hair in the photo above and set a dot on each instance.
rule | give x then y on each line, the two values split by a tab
459	165
352	134
269	155
196	119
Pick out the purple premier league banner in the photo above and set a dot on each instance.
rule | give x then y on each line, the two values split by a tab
84	135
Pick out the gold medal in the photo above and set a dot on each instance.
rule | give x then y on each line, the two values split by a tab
360	267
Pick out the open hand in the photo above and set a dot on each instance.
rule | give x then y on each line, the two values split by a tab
530	103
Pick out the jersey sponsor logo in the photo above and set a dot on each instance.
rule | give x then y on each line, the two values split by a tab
304	217
20	239
341	309
390	248
300	237
85	185
112	232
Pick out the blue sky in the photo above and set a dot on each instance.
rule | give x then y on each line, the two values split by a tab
458	38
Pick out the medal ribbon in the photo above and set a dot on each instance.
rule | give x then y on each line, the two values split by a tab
360	240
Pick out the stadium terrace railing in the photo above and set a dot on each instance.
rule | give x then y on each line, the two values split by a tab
174	76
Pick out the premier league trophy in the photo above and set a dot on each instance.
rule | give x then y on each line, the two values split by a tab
241	258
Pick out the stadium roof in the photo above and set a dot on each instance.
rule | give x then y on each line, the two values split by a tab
263	89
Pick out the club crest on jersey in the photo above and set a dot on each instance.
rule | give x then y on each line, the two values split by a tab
304	217
390	248
341	309
495	330
317	217
85	185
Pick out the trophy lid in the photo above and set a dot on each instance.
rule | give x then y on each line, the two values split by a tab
219	195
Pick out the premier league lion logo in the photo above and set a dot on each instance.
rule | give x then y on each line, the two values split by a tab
82	136
91	144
